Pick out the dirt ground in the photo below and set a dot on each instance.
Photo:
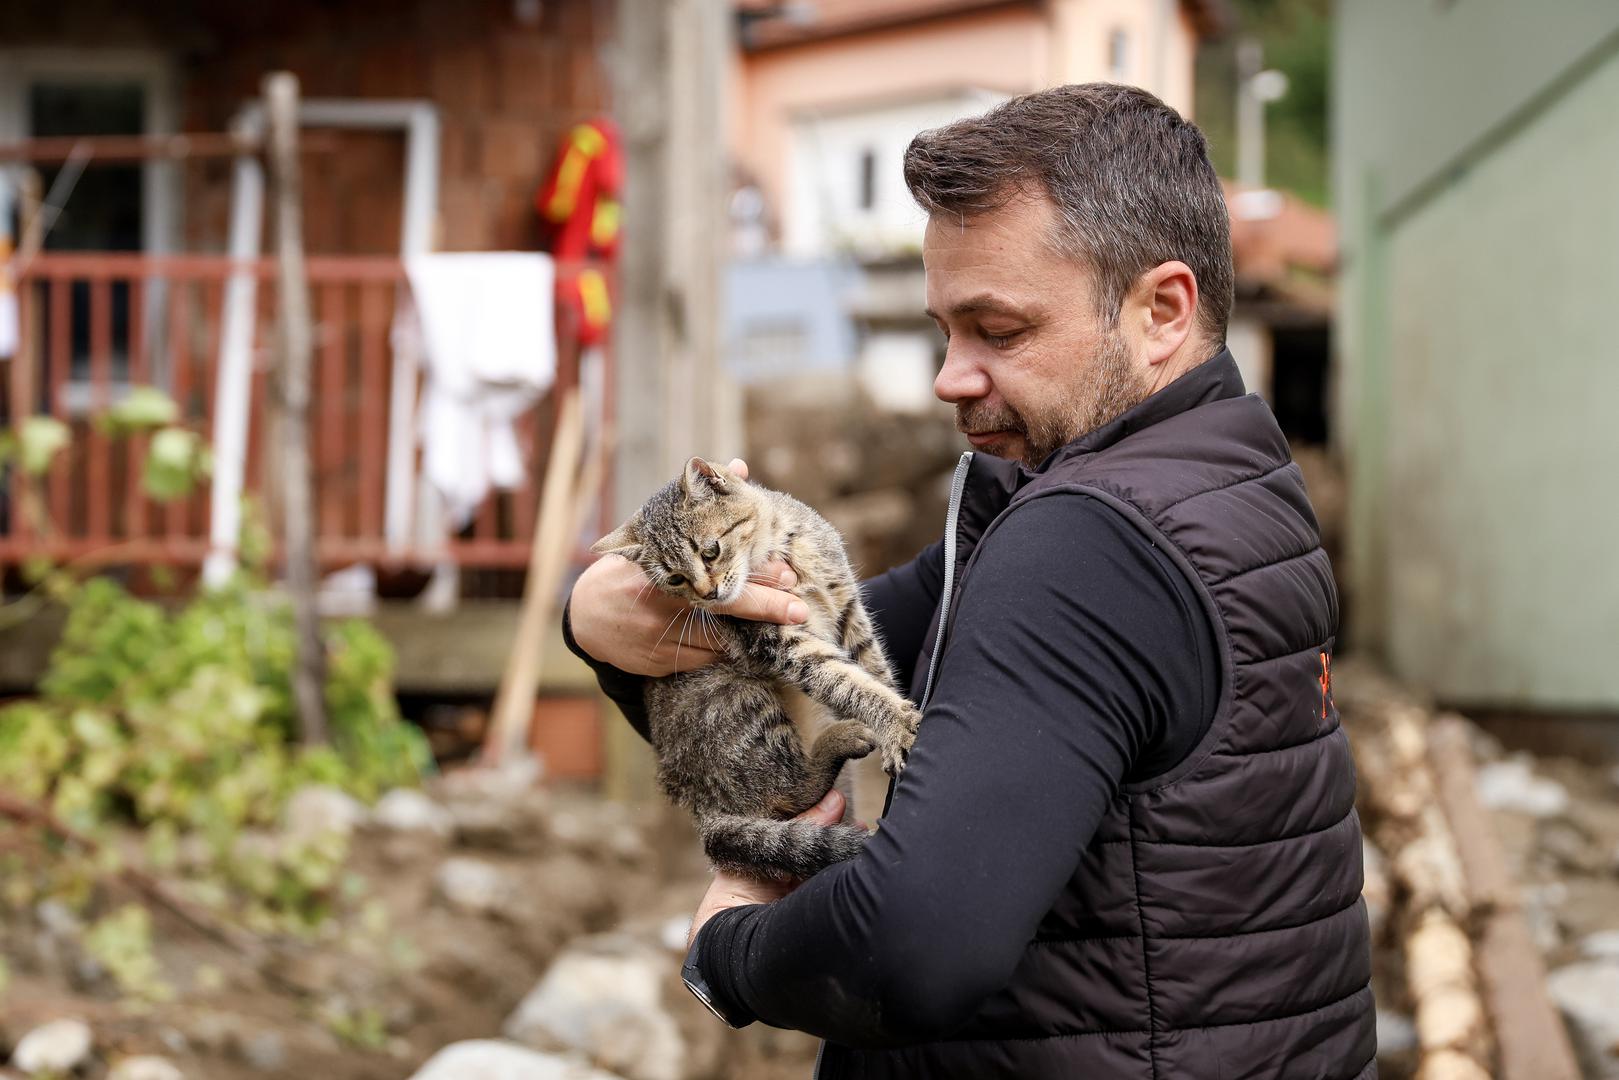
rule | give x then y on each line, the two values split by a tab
444	969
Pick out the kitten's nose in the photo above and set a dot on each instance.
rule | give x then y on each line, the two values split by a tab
708	593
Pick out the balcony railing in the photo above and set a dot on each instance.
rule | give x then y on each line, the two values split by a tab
95	324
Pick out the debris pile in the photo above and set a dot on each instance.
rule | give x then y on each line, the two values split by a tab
1484	872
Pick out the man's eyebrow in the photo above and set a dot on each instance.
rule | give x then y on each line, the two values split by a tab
981	302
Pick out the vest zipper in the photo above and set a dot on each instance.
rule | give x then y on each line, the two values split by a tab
958	484
952	515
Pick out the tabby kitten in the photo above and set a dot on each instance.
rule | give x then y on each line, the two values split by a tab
727	747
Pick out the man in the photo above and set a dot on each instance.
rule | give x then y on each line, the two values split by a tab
1125	844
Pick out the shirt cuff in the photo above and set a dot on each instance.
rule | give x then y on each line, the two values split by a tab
626	690
720	954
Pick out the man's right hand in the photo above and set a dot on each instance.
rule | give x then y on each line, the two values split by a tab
618	619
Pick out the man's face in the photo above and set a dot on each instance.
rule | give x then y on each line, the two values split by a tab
1029	365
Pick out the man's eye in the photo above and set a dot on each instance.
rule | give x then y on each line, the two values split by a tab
1000	341
712	551
675	579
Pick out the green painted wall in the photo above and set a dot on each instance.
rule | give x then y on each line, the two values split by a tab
1479	370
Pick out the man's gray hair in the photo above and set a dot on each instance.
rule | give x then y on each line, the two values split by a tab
1130	179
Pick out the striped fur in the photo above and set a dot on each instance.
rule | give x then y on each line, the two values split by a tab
728	750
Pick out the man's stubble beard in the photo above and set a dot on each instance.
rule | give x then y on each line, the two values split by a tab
1107	390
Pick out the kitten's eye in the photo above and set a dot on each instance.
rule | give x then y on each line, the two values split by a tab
712	551
675	579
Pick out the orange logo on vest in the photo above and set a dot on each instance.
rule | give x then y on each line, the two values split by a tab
1326	682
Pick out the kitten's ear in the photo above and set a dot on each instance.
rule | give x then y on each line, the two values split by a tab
703	478
624	540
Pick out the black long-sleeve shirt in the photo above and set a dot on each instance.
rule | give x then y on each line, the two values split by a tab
1080	658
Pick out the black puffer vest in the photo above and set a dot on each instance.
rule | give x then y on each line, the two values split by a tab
1214	928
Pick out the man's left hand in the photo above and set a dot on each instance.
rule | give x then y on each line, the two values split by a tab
736	890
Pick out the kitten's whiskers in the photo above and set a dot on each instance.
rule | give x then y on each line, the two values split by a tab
663	635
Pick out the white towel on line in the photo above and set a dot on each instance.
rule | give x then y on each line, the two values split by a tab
489	347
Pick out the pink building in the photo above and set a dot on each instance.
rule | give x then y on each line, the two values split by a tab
829	92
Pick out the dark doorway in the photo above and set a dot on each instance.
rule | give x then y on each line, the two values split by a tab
103	211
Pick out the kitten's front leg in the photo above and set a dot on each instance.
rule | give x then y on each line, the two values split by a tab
859	640
829	677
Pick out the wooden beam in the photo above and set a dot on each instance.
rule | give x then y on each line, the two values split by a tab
121	149
295	354
1531	1041
514	706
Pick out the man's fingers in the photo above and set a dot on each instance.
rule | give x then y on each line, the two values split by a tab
739	467
762	604
778	569
829	811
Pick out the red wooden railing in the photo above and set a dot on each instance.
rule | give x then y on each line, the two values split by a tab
87	332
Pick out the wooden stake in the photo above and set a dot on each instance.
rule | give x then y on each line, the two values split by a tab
554	530
294	341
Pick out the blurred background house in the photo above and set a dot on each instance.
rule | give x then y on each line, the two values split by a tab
428	127
1476	152
829	93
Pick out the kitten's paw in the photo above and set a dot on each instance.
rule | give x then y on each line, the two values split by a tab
896	751
848	740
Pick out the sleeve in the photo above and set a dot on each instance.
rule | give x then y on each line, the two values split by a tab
627	691
1077	652
901	603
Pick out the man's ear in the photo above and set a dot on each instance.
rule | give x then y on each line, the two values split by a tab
703	478
1164	300
624	540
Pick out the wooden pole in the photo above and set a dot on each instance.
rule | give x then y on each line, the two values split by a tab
294	347
554	531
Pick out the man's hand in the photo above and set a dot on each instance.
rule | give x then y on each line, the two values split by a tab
620	620
734	890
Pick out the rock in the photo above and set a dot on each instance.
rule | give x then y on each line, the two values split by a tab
410	811
1511	784
490	1059
212	1032
319	809
146	1067
58	919
265	1051
1376	889
472	886
1602	945
517	828
1396	1034
1588	994
673	932
600	833
604	997
57	1047
1541	904
508	781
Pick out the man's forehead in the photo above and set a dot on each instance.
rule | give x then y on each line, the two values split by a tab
1001	260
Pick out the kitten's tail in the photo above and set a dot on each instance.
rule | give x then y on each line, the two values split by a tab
761	847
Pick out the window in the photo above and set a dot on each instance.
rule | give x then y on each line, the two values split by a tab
1118	56
868	178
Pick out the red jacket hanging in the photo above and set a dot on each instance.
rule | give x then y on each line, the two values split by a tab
579	204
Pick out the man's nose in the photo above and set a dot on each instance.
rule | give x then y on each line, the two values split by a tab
961	378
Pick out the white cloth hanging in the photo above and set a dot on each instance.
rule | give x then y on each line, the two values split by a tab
489	345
